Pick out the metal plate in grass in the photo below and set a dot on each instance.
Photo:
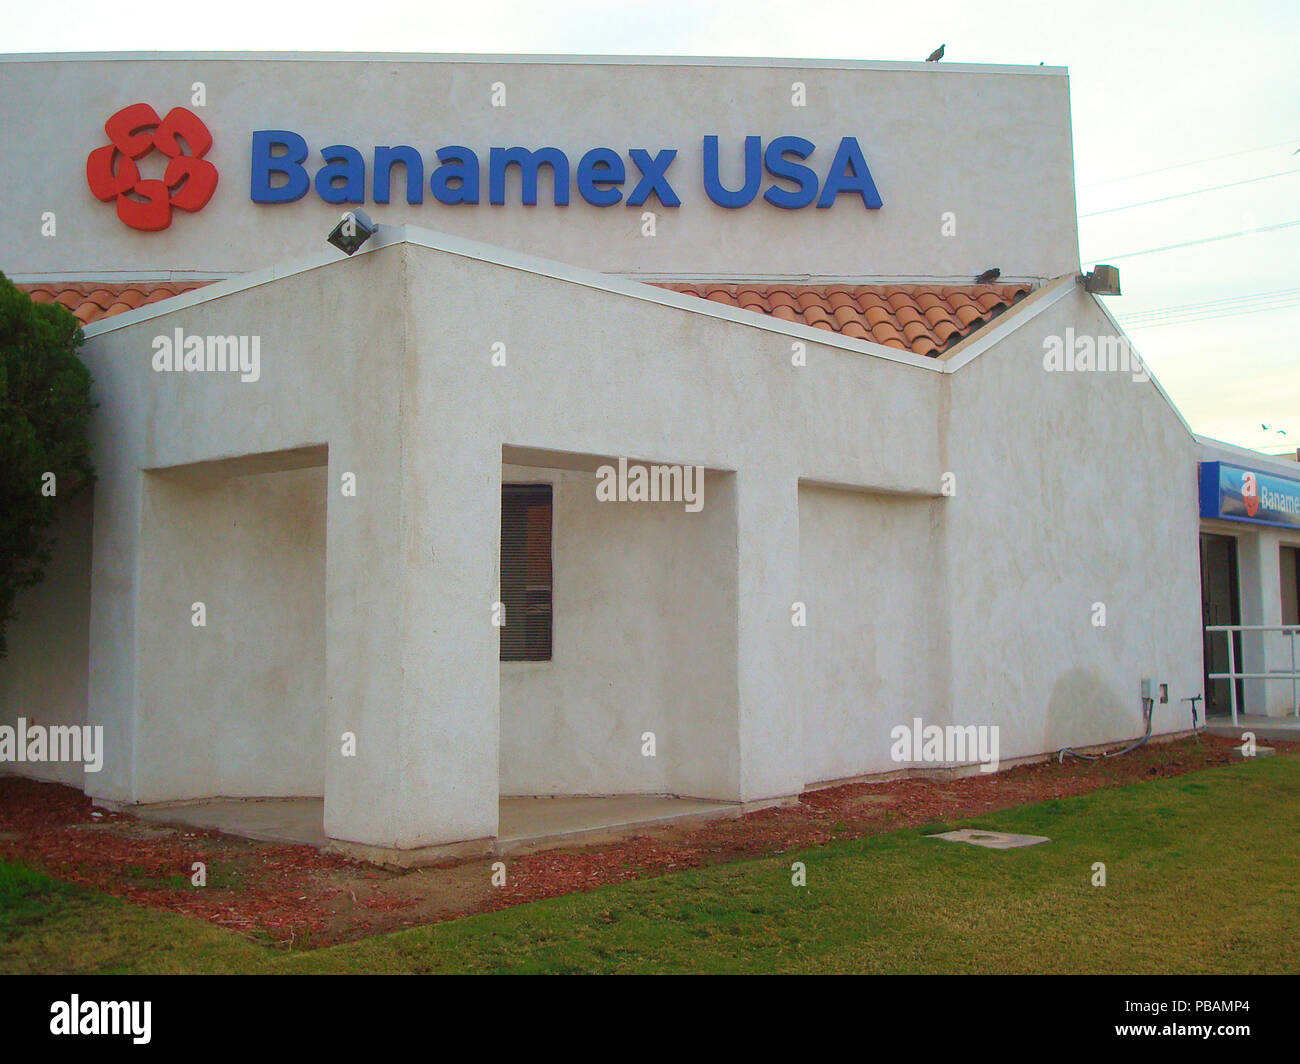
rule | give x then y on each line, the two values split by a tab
993	840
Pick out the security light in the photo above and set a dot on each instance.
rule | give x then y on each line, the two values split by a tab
1103	281
353	230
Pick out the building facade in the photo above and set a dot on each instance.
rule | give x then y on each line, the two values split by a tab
367	527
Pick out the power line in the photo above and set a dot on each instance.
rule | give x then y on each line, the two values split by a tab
1212	305
1157	323
1194	162
1192	313
1225	300
1193	243
1184	195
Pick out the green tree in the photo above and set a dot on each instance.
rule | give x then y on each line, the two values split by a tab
44	446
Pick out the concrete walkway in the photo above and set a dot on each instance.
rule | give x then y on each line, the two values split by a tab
538	823
526	824
299	820
1266	729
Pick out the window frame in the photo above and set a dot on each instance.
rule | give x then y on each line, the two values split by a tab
526	496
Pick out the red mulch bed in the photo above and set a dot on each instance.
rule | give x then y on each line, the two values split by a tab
297	896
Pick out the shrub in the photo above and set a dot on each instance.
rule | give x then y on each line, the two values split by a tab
45	411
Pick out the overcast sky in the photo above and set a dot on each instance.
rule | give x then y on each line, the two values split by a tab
1169	97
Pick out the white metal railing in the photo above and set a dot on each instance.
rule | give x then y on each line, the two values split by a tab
1232	675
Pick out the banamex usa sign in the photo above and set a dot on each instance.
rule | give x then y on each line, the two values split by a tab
788	172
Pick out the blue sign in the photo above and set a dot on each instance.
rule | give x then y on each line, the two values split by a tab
1236	493
279	174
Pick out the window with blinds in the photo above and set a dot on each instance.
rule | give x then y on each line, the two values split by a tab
526	572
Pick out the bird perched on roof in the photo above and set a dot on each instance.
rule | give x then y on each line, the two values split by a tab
936	55
988	276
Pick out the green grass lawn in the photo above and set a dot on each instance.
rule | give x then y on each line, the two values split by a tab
1203	875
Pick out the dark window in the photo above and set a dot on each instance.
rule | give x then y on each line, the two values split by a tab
526	572
1290	559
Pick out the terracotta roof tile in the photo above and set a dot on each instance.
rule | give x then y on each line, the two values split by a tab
922	318
925	319
94	300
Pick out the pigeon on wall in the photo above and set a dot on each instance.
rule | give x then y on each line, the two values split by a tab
937	54
988	276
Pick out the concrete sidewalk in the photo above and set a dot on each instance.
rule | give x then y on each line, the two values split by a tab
1266	729
526	824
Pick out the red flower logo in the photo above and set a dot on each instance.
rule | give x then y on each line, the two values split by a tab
135	131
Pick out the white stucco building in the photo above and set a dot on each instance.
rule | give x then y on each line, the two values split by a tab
906	512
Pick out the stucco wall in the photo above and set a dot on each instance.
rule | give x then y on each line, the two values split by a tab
235	707
644	641
43	677
1072	488
873	649
332	359
590	372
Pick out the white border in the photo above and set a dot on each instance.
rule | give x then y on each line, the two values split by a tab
1213	450
997	330
532	60
392	236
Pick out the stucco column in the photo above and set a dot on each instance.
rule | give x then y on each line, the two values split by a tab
114	622
412	654
767	657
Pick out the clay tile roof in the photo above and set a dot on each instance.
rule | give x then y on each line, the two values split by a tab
846	314
923	318
926	319
95	300
887	334
914	330
944	330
